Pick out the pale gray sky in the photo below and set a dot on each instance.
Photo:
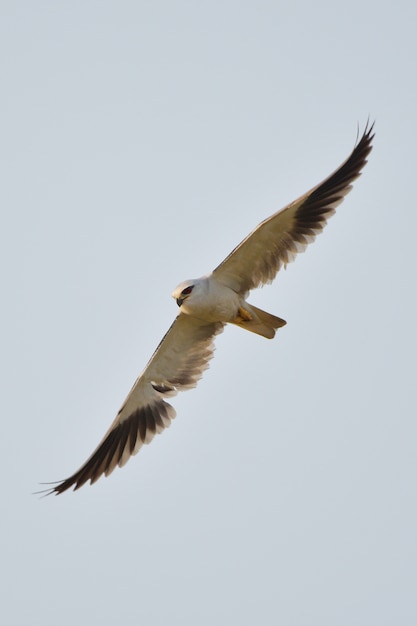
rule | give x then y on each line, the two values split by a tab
140	142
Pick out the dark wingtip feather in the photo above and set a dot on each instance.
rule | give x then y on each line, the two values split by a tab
124	437
328	194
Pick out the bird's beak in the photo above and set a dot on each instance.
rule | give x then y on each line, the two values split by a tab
180	301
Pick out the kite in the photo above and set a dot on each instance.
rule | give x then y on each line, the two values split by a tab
206	305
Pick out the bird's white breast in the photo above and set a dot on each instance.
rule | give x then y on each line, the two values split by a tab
212	301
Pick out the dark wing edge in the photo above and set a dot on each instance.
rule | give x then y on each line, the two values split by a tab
120	443
325	197
320	203
145	413
303	219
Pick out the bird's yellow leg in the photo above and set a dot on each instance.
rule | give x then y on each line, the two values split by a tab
243	315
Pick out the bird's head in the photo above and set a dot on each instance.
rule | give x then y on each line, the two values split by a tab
183	291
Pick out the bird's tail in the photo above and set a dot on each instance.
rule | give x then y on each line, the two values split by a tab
258	321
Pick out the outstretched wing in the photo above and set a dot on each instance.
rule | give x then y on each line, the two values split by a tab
177	364
277	240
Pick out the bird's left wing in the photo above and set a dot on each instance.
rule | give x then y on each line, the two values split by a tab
177	364
276	241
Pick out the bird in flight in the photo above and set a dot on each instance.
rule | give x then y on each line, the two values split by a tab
206	304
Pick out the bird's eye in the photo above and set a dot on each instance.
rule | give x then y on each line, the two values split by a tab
187	291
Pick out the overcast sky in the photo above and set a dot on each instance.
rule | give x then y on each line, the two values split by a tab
140	142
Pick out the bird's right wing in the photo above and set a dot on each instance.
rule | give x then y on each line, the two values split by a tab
177	364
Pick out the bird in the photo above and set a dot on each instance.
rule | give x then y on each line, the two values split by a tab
206	305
